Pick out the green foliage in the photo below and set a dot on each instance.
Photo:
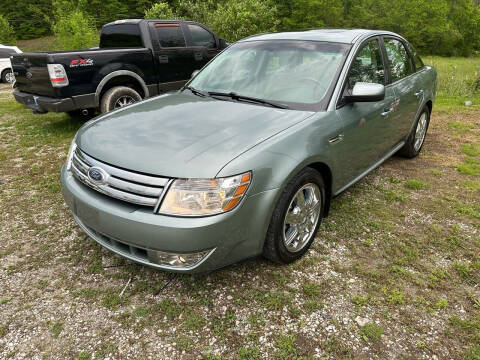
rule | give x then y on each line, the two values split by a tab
7	35
442	27
160	10
74	28
236	19
307	14
371	332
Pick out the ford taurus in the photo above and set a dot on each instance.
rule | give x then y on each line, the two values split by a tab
244	160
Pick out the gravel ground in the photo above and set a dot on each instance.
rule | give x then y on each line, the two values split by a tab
394	272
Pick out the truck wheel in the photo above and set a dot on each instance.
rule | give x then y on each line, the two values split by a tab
118	97
7	76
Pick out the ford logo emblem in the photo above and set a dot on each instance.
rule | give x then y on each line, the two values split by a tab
97	175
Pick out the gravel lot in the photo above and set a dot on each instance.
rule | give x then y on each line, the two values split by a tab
394	272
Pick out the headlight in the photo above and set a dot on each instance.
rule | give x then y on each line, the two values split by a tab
73	146
197	197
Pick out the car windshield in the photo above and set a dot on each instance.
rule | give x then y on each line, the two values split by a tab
292	73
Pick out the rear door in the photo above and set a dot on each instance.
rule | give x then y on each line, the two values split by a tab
203	43
405	84
365	139
171	54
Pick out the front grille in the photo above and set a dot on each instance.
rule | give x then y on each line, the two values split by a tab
121	184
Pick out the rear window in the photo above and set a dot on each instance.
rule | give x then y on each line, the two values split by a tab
170	35
416	58
121	36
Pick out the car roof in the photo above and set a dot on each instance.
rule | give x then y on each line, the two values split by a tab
347	36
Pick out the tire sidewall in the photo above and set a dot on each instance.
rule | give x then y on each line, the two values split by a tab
303	178
115	93
425	111
4	75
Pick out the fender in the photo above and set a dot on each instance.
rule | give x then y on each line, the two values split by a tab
119	73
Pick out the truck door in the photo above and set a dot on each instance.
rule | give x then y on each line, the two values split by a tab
171	54
203	43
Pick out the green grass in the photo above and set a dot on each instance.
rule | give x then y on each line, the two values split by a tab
400	248
416	185
371	332
457	77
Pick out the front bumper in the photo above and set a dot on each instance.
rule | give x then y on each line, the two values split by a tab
136	232
43	104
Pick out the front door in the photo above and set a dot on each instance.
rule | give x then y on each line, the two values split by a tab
365	134
203	44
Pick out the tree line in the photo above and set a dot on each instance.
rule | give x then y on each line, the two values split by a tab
439	27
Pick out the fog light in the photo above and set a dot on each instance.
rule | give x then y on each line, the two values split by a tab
180	260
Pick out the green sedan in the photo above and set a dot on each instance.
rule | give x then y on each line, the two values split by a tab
245	159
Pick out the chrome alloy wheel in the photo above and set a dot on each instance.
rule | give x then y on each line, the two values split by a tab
302	217
420	132
9	77
123	101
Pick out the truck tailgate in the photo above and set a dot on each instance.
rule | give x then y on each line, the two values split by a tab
31	74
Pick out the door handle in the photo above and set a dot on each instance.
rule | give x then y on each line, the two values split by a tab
336	139
163	59
419	93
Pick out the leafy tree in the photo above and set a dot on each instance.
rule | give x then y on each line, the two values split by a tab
74	28
307	14
7	35
160	10
235	19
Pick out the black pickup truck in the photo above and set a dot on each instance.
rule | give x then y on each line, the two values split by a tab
136	59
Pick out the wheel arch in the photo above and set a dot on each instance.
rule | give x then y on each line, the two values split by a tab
326	173
118	78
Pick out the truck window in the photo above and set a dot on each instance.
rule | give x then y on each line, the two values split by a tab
201	37
170	35
121	36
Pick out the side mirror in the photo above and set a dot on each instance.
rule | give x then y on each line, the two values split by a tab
195	73
222	44
366	92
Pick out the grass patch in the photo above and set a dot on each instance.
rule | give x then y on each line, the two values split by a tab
416	185
472	149
371	332
460	128
469	167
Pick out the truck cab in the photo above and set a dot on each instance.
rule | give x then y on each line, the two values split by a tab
135	59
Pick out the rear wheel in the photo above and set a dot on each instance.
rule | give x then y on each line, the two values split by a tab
7	76
118	97
296	218
416	138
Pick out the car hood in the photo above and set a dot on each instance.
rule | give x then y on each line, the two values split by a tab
182	135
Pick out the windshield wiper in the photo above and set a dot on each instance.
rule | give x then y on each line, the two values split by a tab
197	92
237	97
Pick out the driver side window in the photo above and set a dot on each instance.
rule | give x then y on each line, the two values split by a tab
367	66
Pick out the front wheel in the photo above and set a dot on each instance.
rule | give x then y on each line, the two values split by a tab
118	97
415	140
296	218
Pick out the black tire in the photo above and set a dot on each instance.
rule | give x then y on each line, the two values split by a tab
408	150
274	247
4	75
117	93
